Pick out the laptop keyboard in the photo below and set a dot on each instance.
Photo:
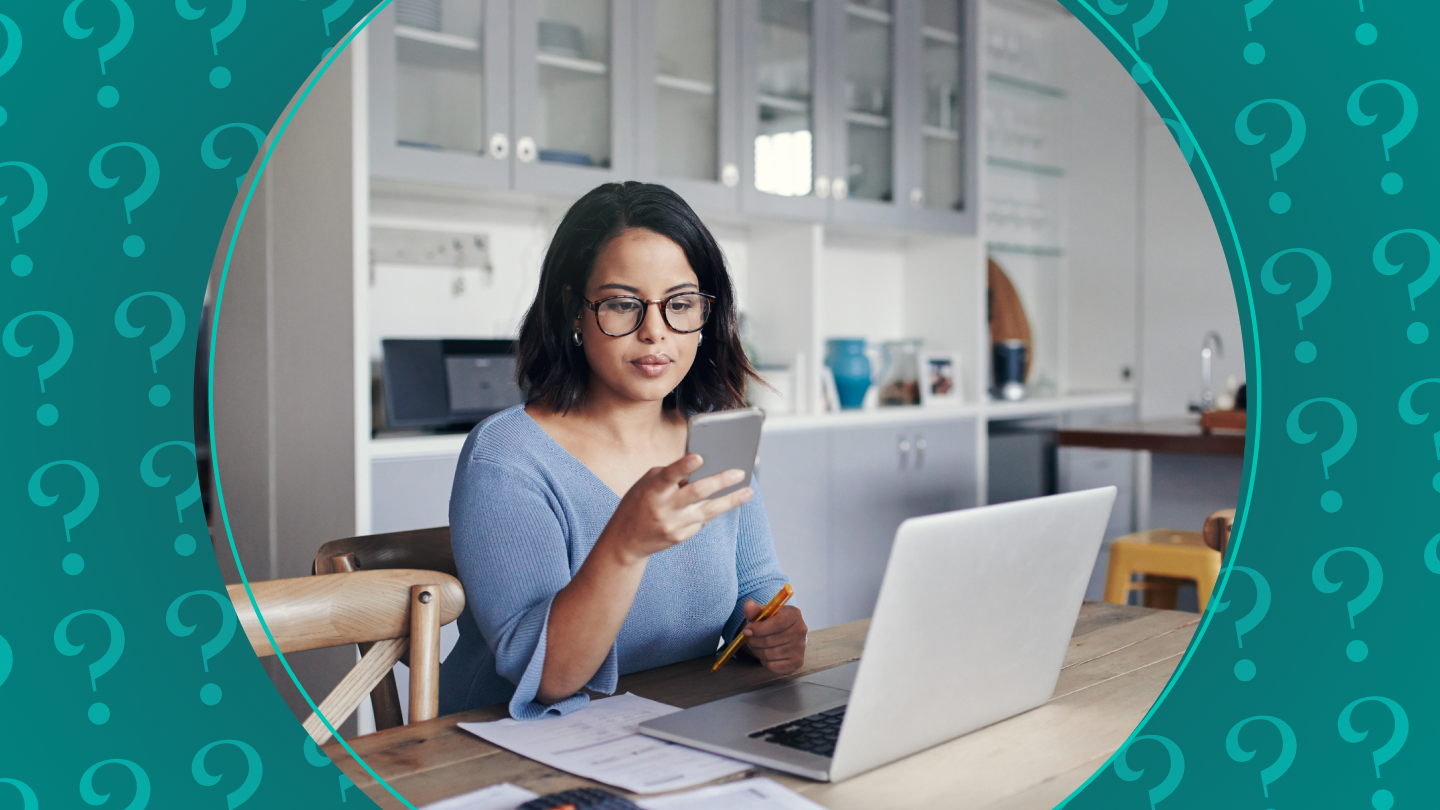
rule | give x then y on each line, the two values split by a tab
816	733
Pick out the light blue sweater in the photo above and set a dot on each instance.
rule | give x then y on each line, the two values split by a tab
524	514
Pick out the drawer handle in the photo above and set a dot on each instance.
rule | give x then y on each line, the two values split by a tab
499	146
919	451
526	150
904	452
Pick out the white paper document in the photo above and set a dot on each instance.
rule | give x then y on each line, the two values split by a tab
503	796
601	742
749	794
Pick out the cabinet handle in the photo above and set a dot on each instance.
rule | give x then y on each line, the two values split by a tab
822	186
919	451
904	452
839	188
525	149
499	146
730	175
917	197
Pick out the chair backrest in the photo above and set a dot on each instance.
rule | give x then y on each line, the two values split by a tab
1216	531
427	549
395	610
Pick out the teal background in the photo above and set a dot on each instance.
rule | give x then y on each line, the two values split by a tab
132	557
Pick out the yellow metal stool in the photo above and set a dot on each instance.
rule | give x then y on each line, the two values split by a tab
1161	552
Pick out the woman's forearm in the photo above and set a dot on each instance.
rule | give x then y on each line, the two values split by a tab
585	619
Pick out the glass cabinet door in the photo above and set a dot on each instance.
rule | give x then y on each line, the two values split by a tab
687	97
869	93
572	60
439	91
943	168
784	93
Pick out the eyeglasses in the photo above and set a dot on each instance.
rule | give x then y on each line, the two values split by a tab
620	315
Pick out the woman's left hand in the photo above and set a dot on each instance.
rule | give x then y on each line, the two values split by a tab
778	643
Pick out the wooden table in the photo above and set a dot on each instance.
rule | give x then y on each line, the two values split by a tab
1119	659
1182	435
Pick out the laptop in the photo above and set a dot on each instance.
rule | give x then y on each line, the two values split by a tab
974	616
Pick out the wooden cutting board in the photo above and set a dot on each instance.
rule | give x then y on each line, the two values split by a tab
1007	314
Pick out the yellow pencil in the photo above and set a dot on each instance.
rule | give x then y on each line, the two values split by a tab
740	638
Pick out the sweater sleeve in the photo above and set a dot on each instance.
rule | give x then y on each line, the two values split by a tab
510	546
756	566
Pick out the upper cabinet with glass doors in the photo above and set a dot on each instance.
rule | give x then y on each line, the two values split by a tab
850	112
942	192
440	95
784	109
573	94
687	96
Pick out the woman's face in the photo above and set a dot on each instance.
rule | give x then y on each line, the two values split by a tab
650	362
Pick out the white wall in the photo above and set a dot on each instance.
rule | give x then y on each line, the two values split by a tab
1186	284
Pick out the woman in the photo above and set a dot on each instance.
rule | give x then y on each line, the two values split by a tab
584	552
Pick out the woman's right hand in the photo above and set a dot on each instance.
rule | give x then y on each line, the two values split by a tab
661	510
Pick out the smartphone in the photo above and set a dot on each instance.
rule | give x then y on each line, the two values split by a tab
727	440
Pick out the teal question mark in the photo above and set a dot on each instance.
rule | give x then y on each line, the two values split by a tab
12	53
1279	201
1245	668
133	244
159	394
7	660
337	9
220	76
142	785
1172	778
1391	183
21	265
1141	71
1375	578
214	161
1382	799
46	414
73	563
28	801
1254	52
1365	33
99	712
1187	146
1416	332
1277	769
316	757
247	788
1330	501
1304	350
187	498
1411	417
209	693
108	95
1432	559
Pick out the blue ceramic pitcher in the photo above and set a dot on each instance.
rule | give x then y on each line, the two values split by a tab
847	361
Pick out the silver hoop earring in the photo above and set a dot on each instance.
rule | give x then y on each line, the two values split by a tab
575	335
701	341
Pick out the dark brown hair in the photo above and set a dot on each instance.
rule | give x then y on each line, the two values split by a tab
553	371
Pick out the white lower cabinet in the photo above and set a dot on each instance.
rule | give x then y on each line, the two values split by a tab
836	496
1088	467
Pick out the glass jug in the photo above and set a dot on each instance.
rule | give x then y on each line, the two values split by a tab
900	382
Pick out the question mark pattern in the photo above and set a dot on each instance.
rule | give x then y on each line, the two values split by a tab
97	343
1339	350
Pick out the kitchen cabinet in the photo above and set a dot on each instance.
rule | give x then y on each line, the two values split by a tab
687	99
879	477
851	113
573	94
440	93
792	477
1087	467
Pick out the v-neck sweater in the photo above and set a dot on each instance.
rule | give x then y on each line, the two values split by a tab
524	514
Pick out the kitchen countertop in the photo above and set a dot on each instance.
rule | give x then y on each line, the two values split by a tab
1176	435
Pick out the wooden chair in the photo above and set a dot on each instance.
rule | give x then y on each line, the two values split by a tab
393	611
427	549
1216	532
1160	554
